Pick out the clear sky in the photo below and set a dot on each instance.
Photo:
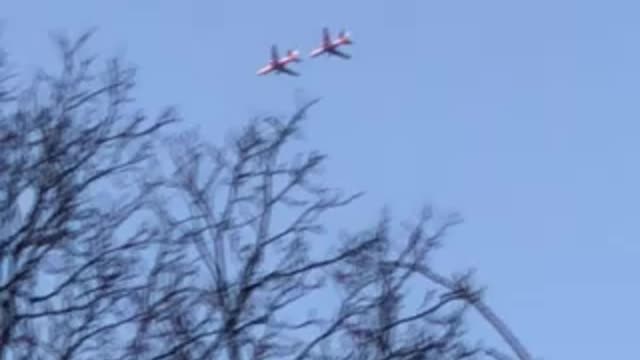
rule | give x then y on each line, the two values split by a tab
521	115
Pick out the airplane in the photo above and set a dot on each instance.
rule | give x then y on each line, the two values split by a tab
331	47
279	65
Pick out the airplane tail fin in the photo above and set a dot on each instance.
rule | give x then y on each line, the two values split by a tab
326	37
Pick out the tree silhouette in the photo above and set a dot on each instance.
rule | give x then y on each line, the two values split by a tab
226	256
69	262
244	229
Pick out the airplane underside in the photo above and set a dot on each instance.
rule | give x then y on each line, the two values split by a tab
278	65
339	53
277	70
286	71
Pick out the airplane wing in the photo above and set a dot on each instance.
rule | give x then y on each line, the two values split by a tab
274	53
340	54
326	38
288	71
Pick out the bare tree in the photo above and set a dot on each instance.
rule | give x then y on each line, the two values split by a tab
238	246
72	158
380	314
240	268
226	257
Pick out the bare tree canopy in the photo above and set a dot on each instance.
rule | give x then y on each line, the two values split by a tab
68	269
225	256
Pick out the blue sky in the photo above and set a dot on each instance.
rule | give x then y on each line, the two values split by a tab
523	116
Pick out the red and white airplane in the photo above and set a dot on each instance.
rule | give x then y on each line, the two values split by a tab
330	47
279	65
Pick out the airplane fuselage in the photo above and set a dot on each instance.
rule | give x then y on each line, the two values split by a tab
278	66
330	48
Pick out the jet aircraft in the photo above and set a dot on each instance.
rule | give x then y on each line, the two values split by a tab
330	47
279	65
